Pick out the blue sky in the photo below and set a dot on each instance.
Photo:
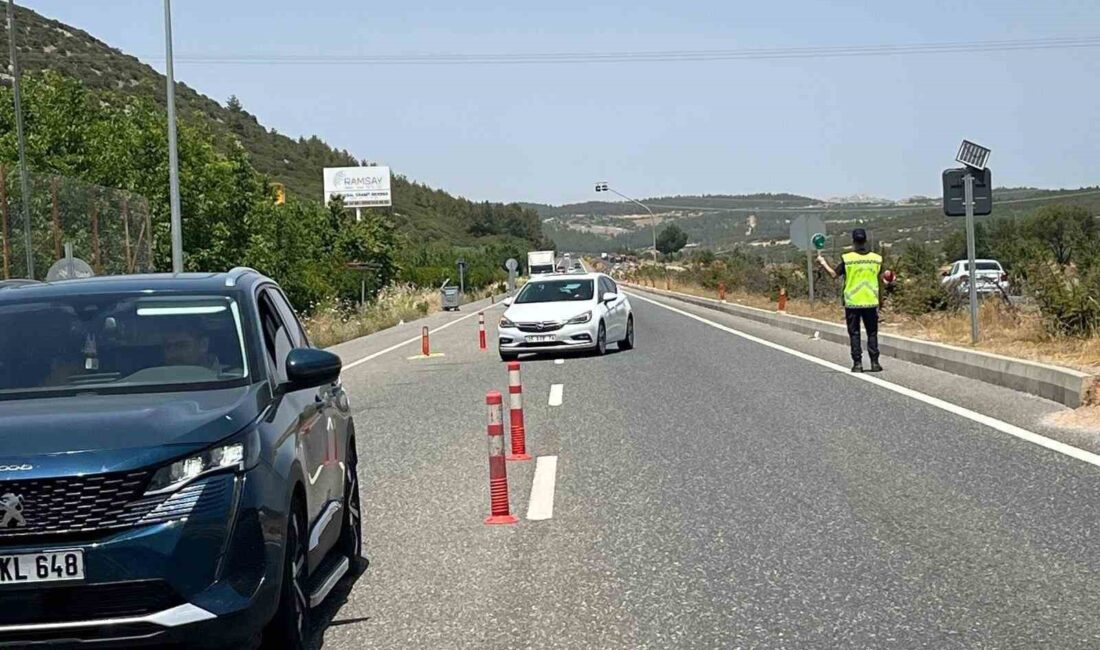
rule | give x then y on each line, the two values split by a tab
884	125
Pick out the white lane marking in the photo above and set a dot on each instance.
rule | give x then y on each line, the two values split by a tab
541	505
559	361
349	366
993	423
555	394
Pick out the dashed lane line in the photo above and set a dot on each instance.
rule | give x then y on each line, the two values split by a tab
556	394
541	505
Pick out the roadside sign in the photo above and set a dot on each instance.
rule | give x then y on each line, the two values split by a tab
803	229
818	240
954	191
511	264
70	268
361	187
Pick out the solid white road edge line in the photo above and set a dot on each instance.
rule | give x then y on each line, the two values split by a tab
414	339
994	423
555	394
541	505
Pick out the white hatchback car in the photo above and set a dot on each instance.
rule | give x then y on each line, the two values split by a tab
557	312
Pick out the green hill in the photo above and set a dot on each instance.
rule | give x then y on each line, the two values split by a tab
423	214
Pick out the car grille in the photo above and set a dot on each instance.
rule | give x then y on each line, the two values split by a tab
538	328
79	504
85	602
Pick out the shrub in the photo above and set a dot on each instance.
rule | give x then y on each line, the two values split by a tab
1066	301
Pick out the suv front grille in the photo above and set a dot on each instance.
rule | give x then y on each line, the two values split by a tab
538	328
85	602
77	504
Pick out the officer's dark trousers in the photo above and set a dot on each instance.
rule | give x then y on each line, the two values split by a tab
869	316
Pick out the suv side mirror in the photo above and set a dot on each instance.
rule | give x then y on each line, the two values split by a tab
610	297
309	368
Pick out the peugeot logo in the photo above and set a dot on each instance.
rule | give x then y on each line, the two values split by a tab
11	511
16	468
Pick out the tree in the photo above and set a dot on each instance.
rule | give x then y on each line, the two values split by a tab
671	239
1066	231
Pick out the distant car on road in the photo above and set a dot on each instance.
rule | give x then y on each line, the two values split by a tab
990	277
178	465
579	311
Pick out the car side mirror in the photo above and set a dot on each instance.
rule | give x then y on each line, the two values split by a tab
507	302
610	297
310	368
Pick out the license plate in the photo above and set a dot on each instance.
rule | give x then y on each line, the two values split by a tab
49	566
541	338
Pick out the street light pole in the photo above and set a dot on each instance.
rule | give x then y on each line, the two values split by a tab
173	154
24	178
603	187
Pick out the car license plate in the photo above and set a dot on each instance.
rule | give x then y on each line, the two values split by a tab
541	338
48	566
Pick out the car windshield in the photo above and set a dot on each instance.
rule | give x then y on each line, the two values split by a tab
119	342
982	266
574	290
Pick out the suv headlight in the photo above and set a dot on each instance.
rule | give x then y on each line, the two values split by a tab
240	453
580	318
504	322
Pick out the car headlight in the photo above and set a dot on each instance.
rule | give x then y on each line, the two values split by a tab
580	318
240	453
504	322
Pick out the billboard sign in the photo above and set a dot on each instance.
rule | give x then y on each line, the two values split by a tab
361	187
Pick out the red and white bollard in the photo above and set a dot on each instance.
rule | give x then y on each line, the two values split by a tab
425	347
481	330
515	414
499	512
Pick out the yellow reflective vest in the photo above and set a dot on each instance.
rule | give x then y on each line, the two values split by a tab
861	272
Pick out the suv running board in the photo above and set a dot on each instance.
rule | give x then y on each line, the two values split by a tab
335	572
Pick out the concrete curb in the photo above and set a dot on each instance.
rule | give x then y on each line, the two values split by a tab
1063	385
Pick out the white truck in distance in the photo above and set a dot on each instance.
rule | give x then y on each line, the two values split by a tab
540	262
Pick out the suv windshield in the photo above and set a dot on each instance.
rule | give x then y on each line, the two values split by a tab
119	342
556	291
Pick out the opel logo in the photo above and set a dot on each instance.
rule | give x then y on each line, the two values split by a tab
11	511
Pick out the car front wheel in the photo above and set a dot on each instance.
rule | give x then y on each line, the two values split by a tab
351	534
601	340
628	341
289	629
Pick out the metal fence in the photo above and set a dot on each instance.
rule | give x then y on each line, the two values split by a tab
111	229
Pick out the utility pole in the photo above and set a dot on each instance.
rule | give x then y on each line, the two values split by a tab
968	181
173	155
24	178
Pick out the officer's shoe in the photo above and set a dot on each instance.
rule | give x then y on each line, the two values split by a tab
857	367
875	367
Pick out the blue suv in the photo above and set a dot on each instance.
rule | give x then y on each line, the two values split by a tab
177	464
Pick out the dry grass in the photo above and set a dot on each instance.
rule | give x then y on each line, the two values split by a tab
336	322
1004	330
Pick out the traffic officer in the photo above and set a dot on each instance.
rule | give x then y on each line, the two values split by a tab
860	269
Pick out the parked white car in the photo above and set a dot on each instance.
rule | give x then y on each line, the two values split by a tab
577	311
990	277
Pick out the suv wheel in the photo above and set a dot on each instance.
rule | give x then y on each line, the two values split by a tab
290	627
628	341
351	533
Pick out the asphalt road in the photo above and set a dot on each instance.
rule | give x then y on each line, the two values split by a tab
711	492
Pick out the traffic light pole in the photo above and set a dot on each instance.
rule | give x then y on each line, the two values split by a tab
968	198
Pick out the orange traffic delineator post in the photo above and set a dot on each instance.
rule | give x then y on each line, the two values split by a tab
722	291
481	330
499	512
515	414
782	300
425	346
